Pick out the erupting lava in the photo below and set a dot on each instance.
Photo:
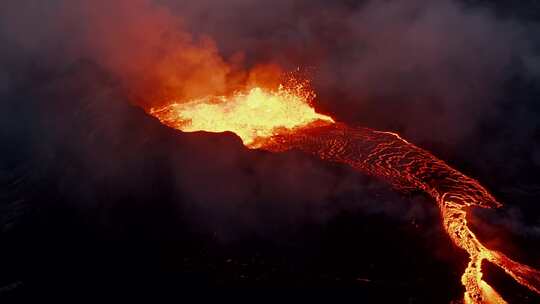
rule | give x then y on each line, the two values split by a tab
254	116
282	119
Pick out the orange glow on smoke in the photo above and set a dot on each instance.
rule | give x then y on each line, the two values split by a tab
282	118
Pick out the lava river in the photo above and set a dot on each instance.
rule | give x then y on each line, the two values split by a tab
283	119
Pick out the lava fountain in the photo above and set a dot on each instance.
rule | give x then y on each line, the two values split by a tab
255	115
283	119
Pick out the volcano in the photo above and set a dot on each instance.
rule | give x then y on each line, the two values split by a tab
386	151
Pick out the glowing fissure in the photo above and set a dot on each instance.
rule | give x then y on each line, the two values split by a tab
283	119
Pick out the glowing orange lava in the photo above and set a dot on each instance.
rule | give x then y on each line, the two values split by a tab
254	116
282	119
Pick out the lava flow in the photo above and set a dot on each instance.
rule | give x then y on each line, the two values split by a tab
282	119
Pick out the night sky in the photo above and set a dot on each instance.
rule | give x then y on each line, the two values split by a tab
98	198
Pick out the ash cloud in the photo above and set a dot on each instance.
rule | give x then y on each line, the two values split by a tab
440	64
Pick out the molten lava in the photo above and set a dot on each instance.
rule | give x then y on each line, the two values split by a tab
255	115
282	119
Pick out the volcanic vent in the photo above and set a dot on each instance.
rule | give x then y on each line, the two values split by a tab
283	119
